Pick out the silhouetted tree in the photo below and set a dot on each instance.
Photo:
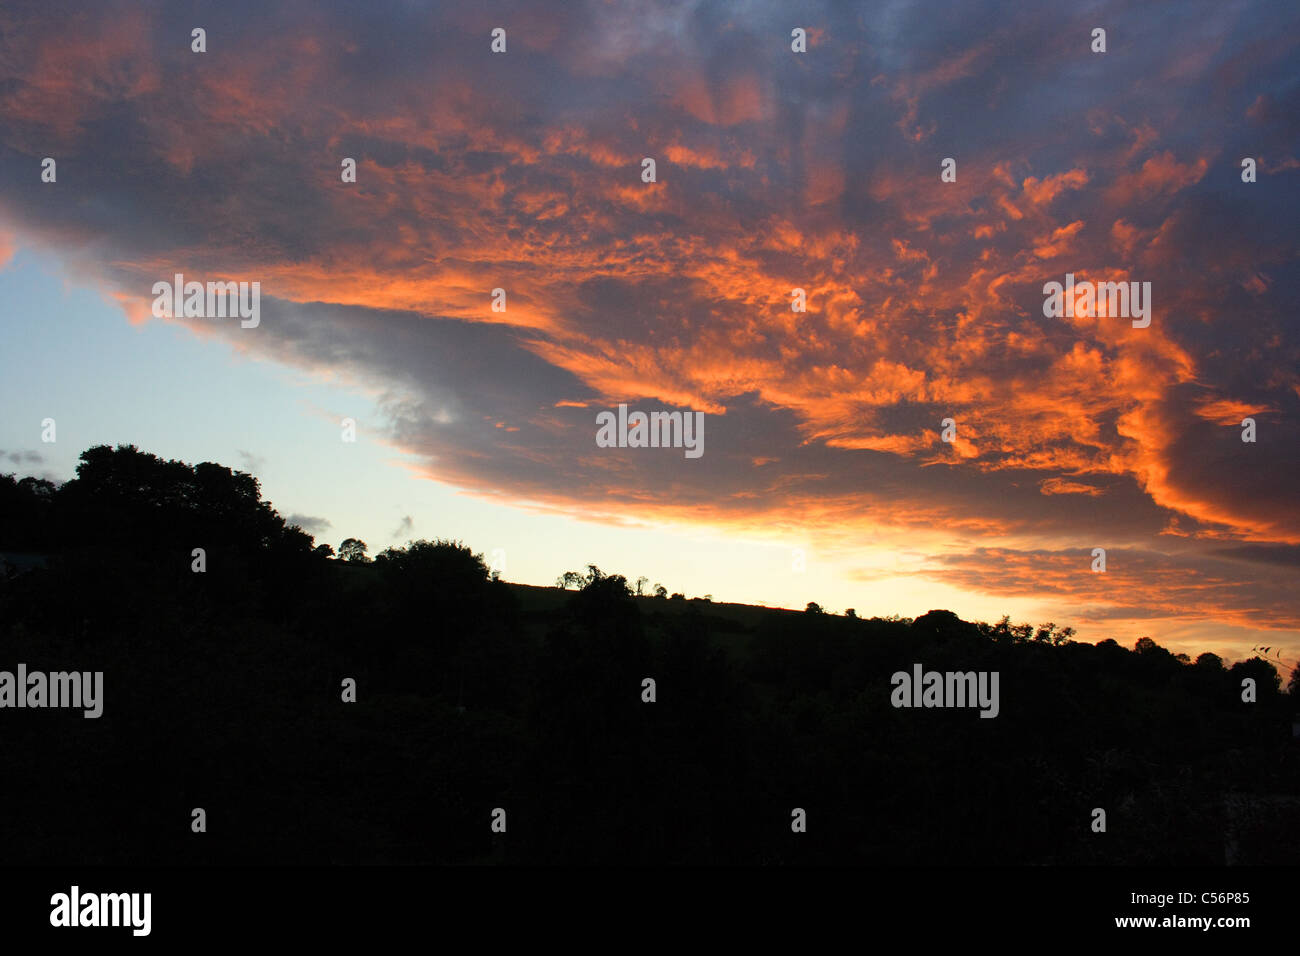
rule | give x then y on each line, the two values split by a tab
1210	661
1268	682
353	550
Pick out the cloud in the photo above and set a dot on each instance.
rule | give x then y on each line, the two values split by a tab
1137	584
313	526
777	171
22	457
1041	192
1061	486
404	528
253	464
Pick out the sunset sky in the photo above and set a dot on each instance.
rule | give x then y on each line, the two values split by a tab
775	170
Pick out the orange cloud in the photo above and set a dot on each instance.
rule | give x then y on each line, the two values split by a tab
1041	192
1161	174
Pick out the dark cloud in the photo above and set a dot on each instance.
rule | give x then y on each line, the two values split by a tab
313	526
22	457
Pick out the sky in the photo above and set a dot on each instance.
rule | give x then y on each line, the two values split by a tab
825	475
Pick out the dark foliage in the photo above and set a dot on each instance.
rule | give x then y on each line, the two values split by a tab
223	691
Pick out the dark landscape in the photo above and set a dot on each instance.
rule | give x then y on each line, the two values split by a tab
223	691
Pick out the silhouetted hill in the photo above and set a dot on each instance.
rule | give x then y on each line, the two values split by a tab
226	689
